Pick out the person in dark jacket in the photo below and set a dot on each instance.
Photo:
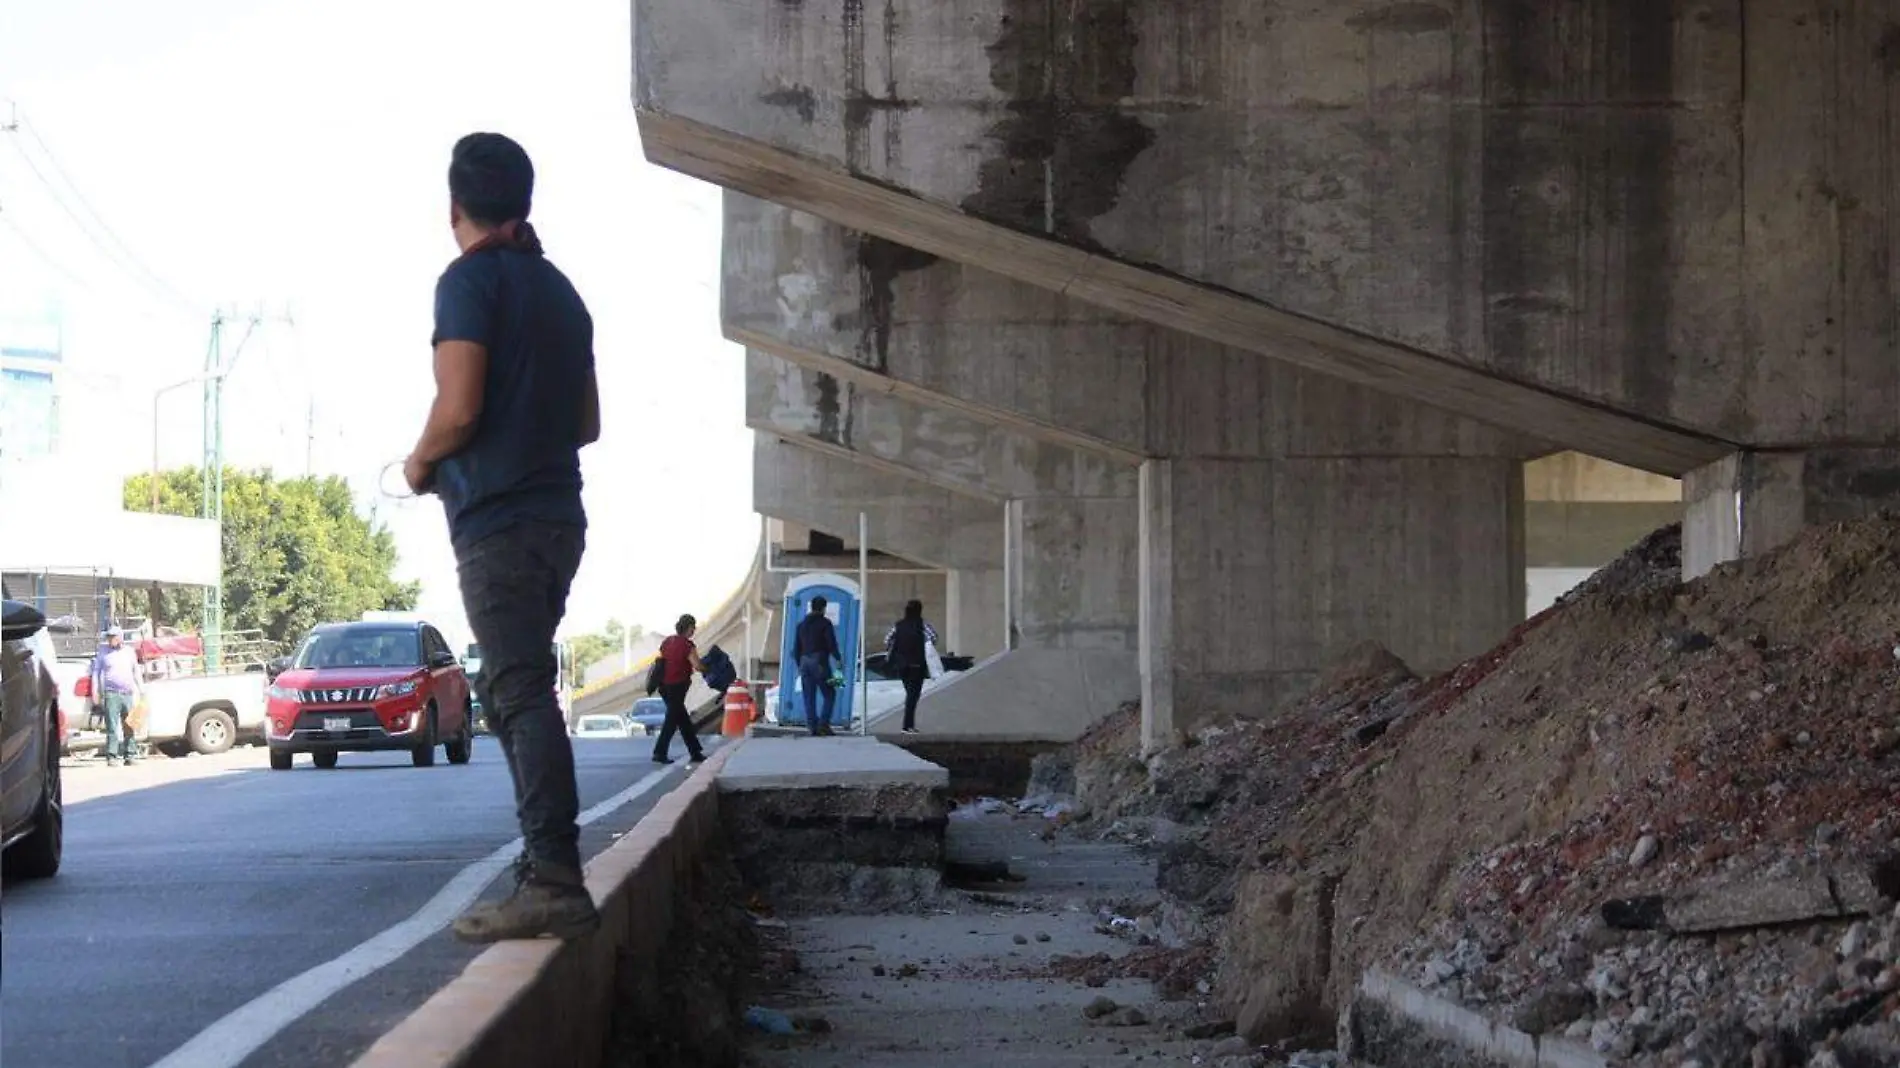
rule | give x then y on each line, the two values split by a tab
904	646
681	659
814	646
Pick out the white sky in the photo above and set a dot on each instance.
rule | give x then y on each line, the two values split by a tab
282	153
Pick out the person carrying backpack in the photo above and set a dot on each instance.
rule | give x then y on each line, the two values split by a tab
679	658
905	652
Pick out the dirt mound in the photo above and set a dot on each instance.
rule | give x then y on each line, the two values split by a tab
1638	741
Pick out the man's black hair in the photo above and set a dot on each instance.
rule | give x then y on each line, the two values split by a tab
818	604
492	179
686	623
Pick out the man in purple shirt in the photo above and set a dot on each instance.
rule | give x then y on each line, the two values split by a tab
116	686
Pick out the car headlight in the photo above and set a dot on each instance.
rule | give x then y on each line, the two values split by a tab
396	689
282	693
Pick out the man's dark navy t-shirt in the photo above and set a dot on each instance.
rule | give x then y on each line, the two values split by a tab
523	464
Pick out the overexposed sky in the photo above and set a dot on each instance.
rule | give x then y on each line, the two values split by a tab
282	154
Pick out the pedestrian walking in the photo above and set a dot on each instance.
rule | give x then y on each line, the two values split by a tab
118	689
515	401
906	652
814	647
679	658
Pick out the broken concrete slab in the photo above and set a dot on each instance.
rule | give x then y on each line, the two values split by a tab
1393	1022
1754	902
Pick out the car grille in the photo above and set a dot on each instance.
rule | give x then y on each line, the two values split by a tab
338	696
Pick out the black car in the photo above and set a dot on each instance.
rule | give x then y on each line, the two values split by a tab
32	813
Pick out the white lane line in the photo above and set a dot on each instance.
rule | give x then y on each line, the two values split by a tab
241	1033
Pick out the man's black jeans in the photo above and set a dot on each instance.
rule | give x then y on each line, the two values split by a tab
677	719
514	588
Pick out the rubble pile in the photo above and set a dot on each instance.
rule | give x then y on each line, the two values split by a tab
1657	818
1646	820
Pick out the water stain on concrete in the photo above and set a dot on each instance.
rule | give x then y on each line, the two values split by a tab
1065	142
833	420
798	97
1404	18
1586	178
880	263
861	106
1888	51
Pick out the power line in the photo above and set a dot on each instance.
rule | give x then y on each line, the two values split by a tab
43	256
124	259
53	161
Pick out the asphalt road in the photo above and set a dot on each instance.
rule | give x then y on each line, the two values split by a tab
209	901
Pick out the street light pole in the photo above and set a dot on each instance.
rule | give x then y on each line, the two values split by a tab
194	379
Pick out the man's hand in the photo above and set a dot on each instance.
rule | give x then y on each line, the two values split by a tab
419	475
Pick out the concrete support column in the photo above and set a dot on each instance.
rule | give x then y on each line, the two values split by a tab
1750	503
1256	573
974	617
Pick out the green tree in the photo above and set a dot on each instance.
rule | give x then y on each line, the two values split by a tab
296	553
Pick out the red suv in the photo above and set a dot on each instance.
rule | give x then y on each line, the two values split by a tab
364	687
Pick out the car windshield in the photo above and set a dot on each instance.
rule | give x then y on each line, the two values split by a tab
649	706
600	723
361	647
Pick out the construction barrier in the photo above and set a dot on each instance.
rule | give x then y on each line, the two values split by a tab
739	710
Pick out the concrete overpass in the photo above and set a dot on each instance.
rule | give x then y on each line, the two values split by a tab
1274	327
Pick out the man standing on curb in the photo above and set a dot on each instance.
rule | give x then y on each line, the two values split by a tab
116	686
515	401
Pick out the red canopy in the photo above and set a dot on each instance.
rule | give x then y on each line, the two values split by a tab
175	645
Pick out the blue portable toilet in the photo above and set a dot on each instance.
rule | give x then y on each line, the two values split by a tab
842	608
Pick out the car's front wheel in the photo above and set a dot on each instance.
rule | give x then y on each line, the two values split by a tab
423	756
280	761
462	746
37	855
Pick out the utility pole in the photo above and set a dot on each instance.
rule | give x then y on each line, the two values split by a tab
217	369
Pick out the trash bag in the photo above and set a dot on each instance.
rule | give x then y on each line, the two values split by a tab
719	671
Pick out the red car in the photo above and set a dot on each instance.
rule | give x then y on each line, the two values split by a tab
368	687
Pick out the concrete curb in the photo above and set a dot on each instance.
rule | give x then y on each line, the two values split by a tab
1423	1021
548	1002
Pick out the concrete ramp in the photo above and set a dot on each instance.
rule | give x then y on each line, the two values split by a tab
1025	695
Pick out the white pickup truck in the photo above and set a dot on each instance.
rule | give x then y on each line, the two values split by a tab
206	713
196	713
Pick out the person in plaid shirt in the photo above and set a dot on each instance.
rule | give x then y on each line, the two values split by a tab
904	649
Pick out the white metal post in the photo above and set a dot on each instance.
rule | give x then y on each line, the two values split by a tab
864	607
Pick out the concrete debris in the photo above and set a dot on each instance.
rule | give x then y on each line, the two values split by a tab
1232	1046
1758	900
1646	849
1647	760
1099	1007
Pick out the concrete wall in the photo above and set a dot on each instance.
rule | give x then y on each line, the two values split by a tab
1535	220
937	527
1272	464
1256	574
889	320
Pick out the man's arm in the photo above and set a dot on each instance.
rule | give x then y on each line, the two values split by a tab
460	369
798	642
464	325
590	408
